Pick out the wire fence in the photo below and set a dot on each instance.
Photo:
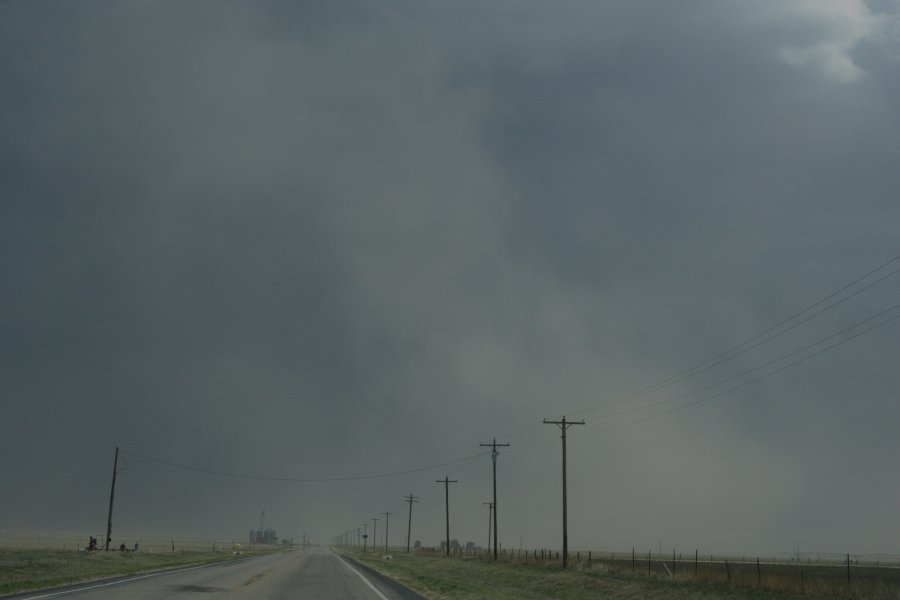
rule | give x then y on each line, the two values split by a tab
132	542
813	574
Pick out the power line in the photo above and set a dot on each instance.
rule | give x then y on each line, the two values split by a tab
777	360
298	479
754	341
748	382
531	427
803	359
748	344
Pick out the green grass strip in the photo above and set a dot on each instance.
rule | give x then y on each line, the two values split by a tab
25	570
438	577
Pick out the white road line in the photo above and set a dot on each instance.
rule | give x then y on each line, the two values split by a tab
366	581
110	583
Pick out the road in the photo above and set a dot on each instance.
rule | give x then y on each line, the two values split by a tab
315	573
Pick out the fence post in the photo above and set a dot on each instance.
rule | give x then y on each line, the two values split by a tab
589	559
848	570
632	559
758	573
673	563
649	552
696	555
727	570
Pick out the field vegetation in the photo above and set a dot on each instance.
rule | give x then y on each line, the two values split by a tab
31	569
474	577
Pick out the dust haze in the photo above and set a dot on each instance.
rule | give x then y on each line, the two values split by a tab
312	241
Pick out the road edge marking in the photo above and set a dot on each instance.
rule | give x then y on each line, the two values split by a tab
363	577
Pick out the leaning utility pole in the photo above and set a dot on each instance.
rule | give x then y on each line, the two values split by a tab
563	425
494	452
447	481
112	495
387	524
409	499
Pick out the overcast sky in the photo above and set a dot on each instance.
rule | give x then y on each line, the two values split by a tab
309	240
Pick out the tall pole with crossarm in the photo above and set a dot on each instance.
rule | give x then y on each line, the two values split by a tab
411	499
387	523
447	481
375	531
563	425
494	452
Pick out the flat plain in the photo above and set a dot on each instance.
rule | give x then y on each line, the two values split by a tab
438	577
32	569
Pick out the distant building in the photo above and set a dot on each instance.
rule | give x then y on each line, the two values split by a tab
263	536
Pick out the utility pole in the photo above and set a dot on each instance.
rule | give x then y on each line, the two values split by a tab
112	495
375	532
409	499
447	481
494	452
387	524
490	506
365	537
564	425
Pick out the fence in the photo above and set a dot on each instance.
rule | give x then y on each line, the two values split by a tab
78	541
856	575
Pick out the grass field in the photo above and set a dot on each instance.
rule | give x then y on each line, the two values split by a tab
31	569
438	577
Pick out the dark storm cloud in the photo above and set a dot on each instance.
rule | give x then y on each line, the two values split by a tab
312	240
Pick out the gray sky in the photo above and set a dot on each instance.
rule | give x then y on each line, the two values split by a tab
326	239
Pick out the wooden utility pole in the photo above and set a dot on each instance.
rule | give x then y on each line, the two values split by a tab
375	532
447	481
494	452
409	499
112	496
564	425
387	524
490	506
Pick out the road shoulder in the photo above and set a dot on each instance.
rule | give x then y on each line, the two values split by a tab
395	587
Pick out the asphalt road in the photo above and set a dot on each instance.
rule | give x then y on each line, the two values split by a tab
309	574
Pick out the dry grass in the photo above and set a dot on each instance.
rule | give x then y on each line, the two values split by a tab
23	570
437	577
